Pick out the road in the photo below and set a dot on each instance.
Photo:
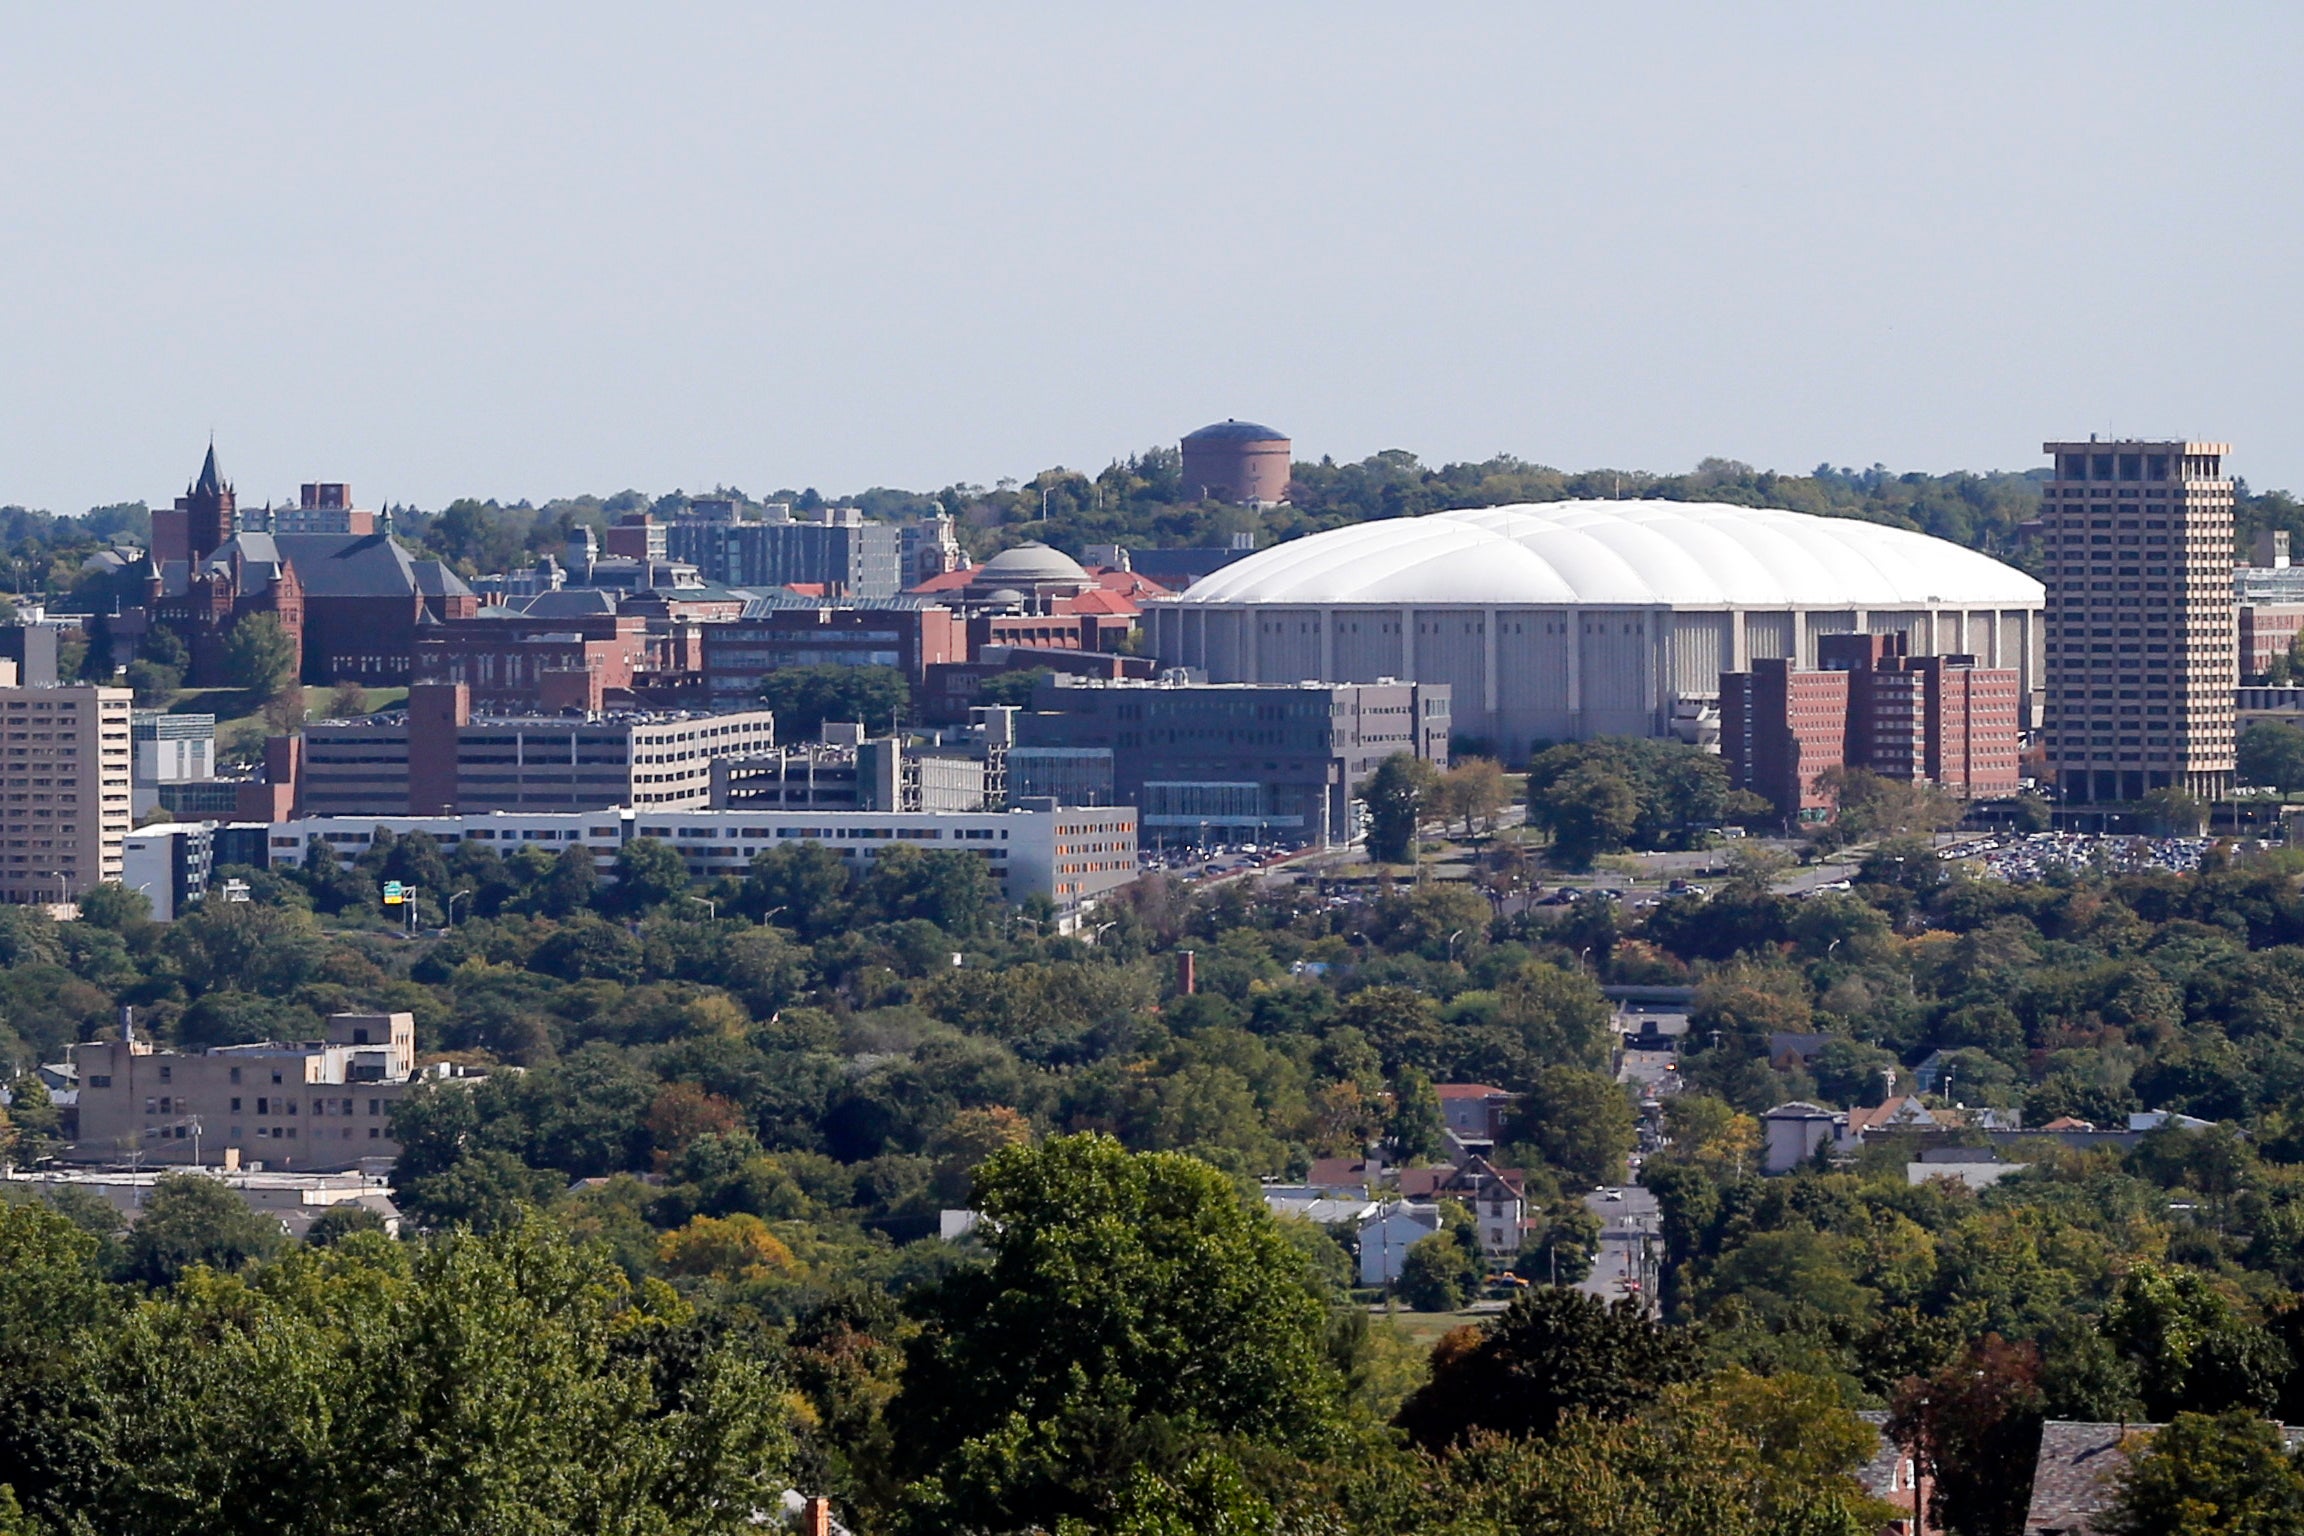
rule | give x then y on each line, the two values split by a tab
1624	1225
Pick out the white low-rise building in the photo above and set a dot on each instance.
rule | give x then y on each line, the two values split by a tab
1071	855
1386	1235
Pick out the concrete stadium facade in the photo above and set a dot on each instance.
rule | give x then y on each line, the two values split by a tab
1569	620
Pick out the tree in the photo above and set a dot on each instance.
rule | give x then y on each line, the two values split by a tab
193	1219
154	683
114	906
1588	810
339	1222
284	712
2228	1475
1438	1273
1583	1123
803	698
1123	1289
1555	1351
1013	688
1974	1427
1471	791
1560	1015
649	873
346	700
2173	812
2192	1351
56	1316
518	1383
1414	1131
260	654
568	884
1397	796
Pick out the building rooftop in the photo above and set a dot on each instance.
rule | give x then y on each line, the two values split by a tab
1635	553
1231	431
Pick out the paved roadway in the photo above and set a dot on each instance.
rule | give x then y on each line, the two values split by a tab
1623	1225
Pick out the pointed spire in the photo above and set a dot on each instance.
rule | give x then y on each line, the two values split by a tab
210	482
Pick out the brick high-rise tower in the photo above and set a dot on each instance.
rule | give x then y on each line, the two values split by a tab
2142	656
202	519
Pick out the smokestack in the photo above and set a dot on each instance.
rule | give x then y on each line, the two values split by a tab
1185	976
816	1517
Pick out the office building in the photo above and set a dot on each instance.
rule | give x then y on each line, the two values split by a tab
1870	705
1224	761
295	1200
66	784
169	748
1072	856
321	507
439	758
169	862
2142	645
739	654
877	774
637	536
517	662
2268	634
311	1105
840	554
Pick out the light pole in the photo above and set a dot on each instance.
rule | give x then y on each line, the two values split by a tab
453	898
711	906
1452	938
771	912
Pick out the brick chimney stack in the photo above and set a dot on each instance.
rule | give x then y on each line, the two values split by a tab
816	1517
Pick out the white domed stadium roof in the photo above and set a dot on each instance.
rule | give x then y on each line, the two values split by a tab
1679	554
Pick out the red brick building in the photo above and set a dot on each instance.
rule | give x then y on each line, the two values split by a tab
2267	630
352	602
1780	728
1942	719
512	664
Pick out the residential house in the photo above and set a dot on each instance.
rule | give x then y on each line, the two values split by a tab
1386	1235
1497	1197
1475	1111
1892	1477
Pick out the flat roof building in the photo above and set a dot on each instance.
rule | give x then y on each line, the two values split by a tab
1071	856
1224	760
315	1105
438	758
2143	651
842	553
65	790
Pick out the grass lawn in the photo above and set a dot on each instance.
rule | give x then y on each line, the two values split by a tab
1424	1328
230	704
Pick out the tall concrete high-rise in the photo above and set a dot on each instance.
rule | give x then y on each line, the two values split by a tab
67	808
2142	651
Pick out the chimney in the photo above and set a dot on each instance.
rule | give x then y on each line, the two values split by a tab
816	1517
1185	976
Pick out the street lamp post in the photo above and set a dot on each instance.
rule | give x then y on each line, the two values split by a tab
711	906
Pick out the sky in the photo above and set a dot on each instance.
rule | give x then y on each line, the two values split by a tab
538	250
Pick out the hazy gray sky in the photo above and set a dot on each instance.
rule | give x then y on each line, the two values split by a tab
536	250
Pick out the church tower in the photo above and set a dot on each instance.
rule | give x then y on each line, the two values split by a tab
202	519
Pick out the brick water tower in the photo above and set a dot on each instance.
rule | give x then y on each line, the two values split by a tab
1237	461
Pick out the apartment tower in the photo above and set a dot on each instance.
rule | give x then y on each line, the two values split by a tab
66	811
2143	655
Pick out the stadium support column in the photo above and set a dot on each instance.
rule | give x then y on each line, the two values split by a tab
1488	672
1408	645
1327	646
1575	628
